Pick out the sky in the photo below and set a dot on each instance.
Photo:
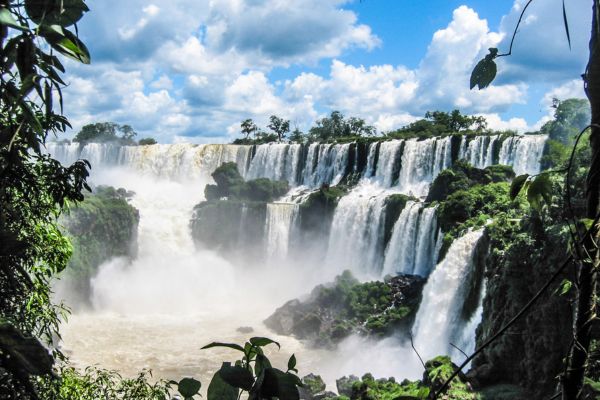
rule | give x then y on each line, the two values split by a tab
192	70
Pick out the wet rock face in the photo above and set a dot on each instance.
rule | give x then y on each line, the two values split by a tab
333	312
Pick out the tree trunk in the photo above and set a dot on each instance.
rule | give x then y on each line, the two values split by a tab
585	306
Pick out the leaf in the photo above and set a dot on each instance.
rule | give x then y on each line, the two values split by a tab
229	345
263	341
72	47
59	12
218	389
517	185
261	364
292	363
564	287
566	23
485	71
237	376
6	18
188	387
280	384
540	189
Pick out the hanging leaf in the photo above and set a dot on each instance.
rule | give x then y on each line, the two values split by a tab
566	23
517	184
218	389
540	189
6	18
485	71
59	12
188	387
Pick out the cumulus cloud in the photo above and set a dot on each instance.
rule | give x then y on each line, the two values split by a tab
194	69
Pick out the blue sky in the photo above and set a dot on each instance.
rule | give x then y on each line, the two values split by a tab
191	70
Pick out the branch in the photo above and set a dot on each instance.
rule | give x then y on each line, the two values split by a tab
515	31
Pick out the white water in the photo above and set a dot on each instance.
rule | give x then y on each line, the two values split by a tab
280	223
438	323
523	153
326	164
412	248
357	233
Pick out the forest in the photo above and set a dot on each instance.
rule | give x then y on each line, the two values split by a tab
440	259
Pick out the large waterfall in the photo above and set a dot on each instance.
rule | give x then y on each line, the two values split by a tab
173	290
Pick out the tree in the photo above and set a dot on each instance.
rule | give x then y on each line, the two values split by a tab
336	126
297	136
105	132
34	187
279	126
248	128
147	141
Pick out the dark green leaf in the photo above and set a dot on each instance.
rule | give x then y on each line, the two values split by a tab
188	387
279	384
6	18
261	364
517	185
566	23
263	341
485	71
218	389
292	363
59	12
229	345
237	376
540	189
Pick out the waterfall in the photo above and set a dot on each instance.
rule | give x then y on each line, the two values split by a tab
479	152
280	222
523	153
385	172
326	164
422	160
412	248
276	161
357	232
173	161
438	321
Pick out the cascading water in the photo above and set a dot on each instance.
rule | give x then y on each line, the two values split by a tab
325	164
421	162
412	248
523	153
357	233
280	224
479	151
438	321
385	171
276	162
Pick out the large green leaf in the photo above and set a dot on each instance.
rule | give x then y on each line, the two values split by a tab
6	18
65	42
59	12
237	376
517	184
188	387
218	389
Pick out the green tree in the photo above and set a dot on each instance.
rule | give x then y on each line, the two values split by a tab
297	136
248	128
105	132
336	126
279	126
33	186
147	141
